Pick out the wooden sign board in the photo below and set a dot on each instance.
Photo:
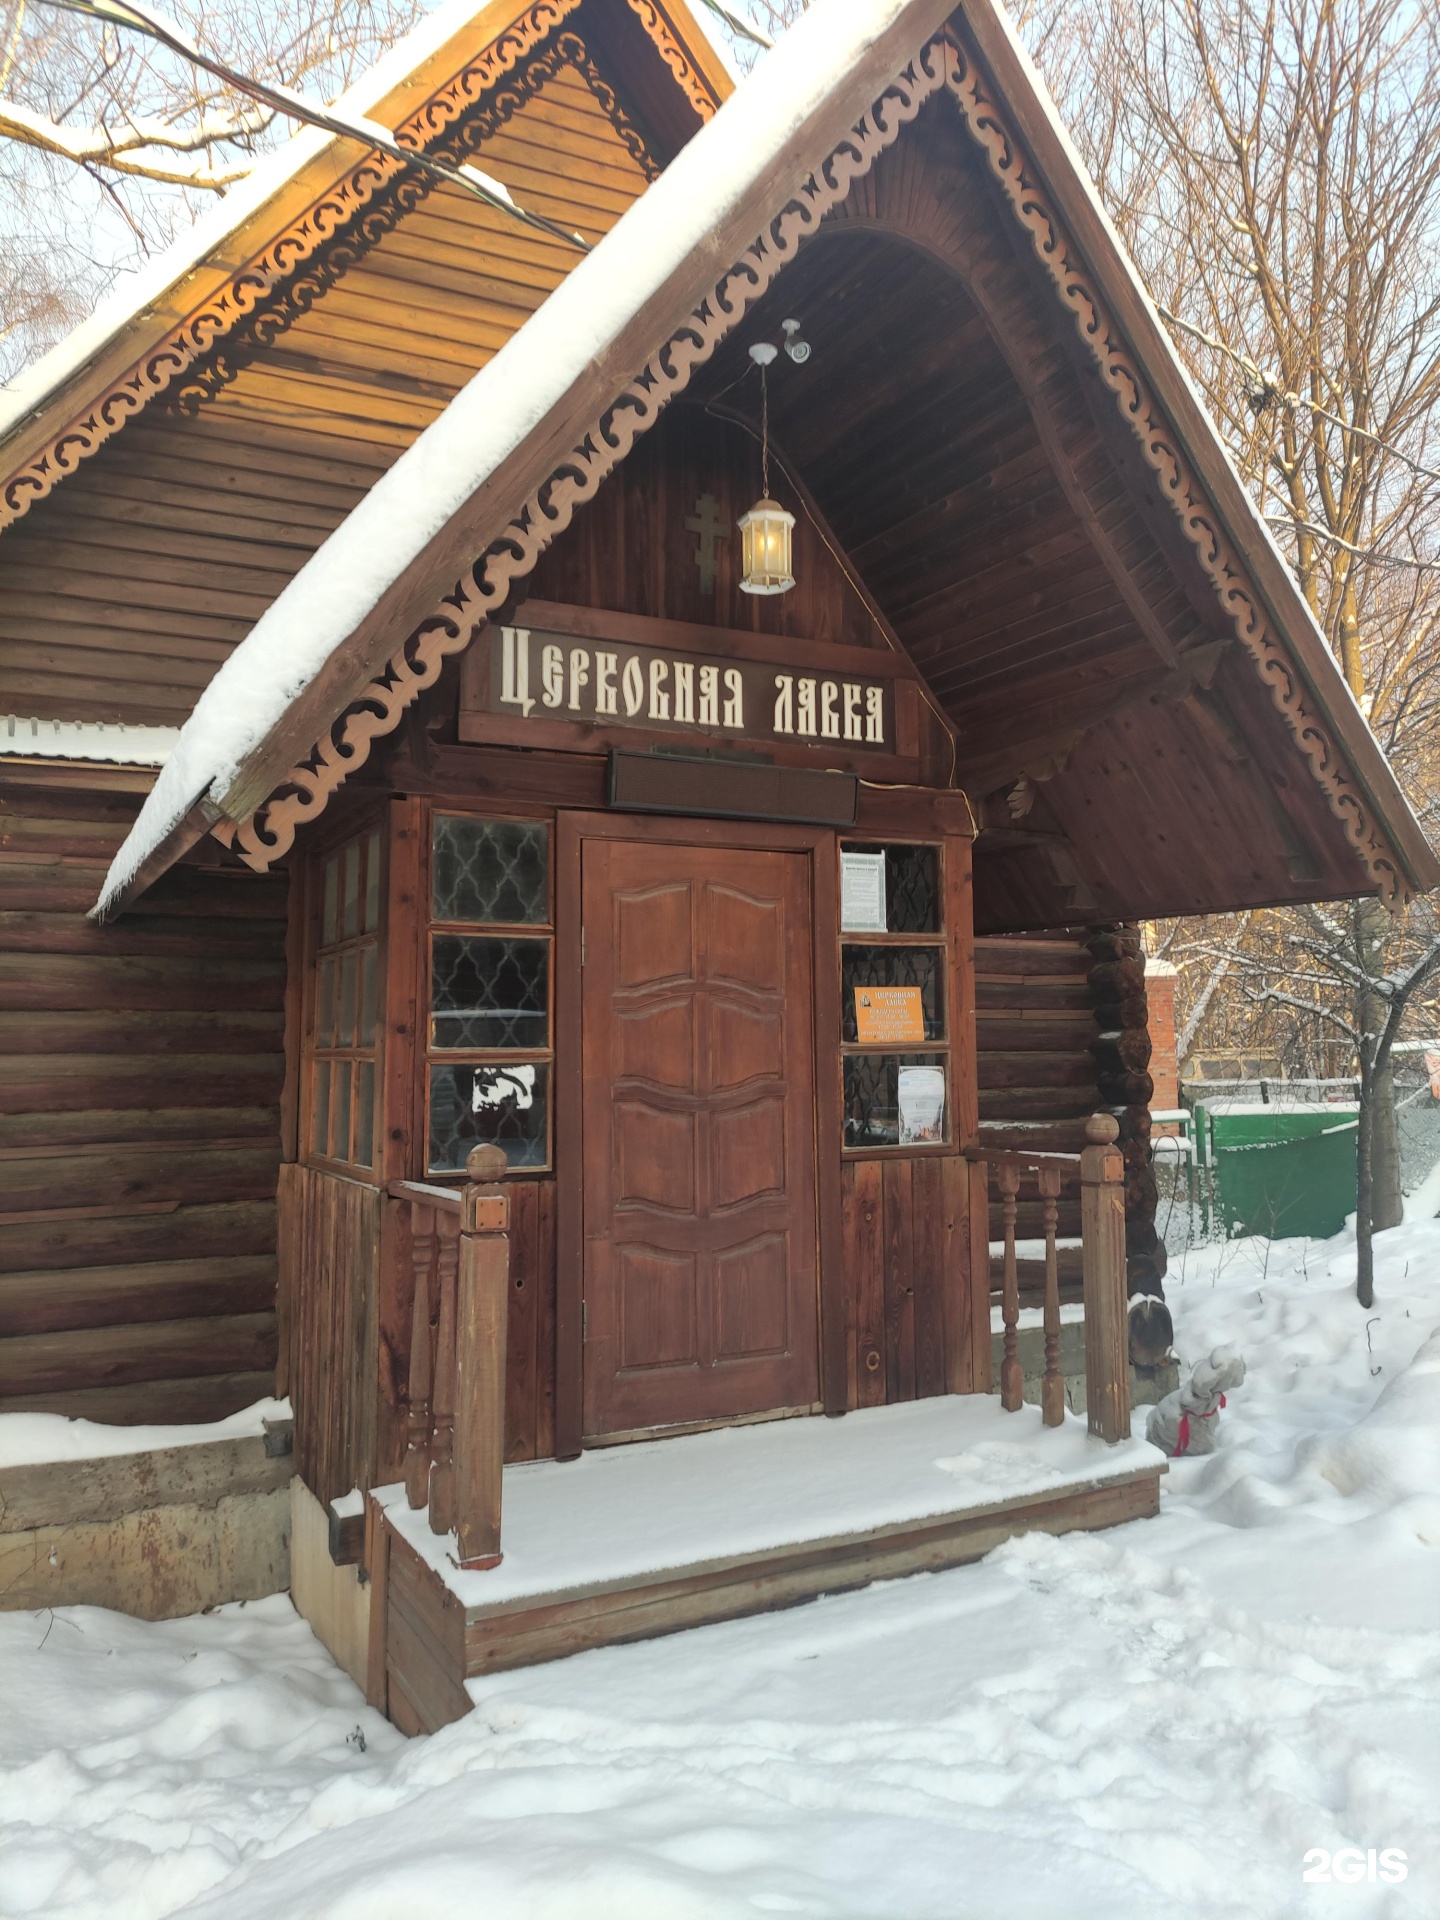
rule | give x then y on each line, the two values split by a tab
545	679
889	1016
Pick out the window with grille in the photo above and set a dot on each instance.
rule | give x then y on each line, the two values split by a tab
895	1034
345	1017
490	959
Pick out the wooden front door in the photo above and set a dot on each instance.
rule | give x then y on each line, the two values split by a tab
699	1151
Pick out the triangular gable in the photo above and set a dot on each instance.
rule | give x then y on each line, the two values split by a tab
530	439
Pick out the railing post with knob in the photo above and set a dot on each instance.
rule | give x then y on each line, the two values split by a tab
1052	1384
483	1306
1107	1331
1012	1379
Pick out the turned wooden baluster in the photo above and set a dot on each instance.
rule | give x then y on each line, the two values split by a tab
1052	1386
417	1447
442	1445
1012	1379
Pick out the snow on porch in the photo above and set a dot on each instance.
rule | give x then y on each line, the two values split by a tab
624	1514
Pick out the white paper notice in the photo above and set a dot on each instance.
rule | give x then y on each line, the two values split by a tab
862	892
922	1105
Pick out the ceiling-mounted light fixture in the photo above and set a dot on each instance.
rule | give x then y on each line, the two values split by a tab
765	530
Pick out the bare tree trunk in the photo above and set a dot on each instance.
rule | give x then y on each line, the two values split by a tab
1364	1245
1374	930
1387	1199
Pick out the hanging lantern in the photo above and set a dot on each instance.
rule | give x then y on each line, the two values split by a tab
765	548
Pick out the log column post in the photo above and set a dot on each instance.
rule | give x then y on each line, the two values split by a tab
483	1307
1102	1227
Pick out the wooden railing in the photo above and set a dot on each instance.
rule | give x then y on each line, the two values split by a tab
455	1447
1101	1175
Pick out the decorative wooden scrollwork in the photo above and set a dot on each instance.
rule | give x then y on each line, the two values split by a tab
692	83
418	663
228	358
306	789
1065	264
254	284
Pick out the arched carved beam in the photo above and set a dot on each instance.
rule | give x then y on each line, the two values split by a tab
946	64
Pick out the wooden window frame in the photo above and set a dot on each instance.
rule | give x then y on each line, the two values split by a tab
944	1052
365	834
426	1053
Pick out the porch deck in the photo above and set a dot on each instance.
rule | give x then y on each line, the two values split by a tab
631	1542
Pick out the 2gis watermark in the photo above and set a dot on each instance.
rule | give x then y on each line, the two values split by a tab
1355	1866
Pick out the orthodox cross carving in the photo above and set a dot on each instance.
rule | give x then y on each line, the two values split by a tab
706	521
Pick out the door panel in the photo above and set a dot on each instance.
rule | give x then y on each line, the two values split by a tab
698	1122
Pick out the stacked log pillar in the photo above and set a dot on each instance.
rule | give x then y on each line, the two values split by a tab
1122	1057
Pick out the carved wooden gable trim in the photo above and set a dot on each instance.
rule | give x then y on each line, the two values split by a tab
947	66
1063	261
306	789
688	77
258	330
268	293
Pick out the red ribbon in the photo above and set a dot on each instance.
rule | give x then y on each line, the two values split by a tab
1182	1438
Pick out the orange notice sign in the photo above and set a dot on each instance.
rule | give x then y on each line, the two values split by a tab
889	1016
1432	1067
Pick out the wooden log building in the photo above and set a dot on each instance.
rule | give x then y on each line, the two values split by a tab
778	945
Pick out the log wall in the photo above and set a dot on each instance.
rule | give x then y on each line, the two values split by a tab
1061	1029
141	1068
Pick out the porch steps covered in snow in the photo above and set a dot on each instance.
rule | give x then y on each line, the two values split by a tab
627	1543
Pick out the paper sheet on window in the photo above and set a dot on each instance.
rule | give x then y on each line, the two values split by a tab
862	892
922	1105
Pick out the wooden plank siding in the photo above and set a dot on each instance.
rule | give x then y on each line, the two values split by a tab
122	592
904	1224
330	1261
141	1070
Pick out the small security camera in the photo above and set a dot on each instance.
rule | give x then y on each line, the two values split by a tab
798	349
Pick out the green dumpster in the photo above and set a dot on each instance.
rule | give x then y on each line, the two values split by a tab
1286	1172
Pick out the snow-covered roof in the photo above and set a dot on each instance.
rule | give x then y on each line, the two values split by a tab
506	401
85	740
763	132
134	292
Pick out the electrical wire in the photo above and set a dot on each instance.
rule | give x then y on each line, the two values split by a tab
716	412
139	18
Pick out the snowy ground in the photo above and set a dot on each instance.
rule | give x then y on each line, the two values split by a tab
1158	1721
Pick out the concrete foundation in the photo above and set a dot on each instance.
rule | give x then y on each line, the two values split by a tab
156	1534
